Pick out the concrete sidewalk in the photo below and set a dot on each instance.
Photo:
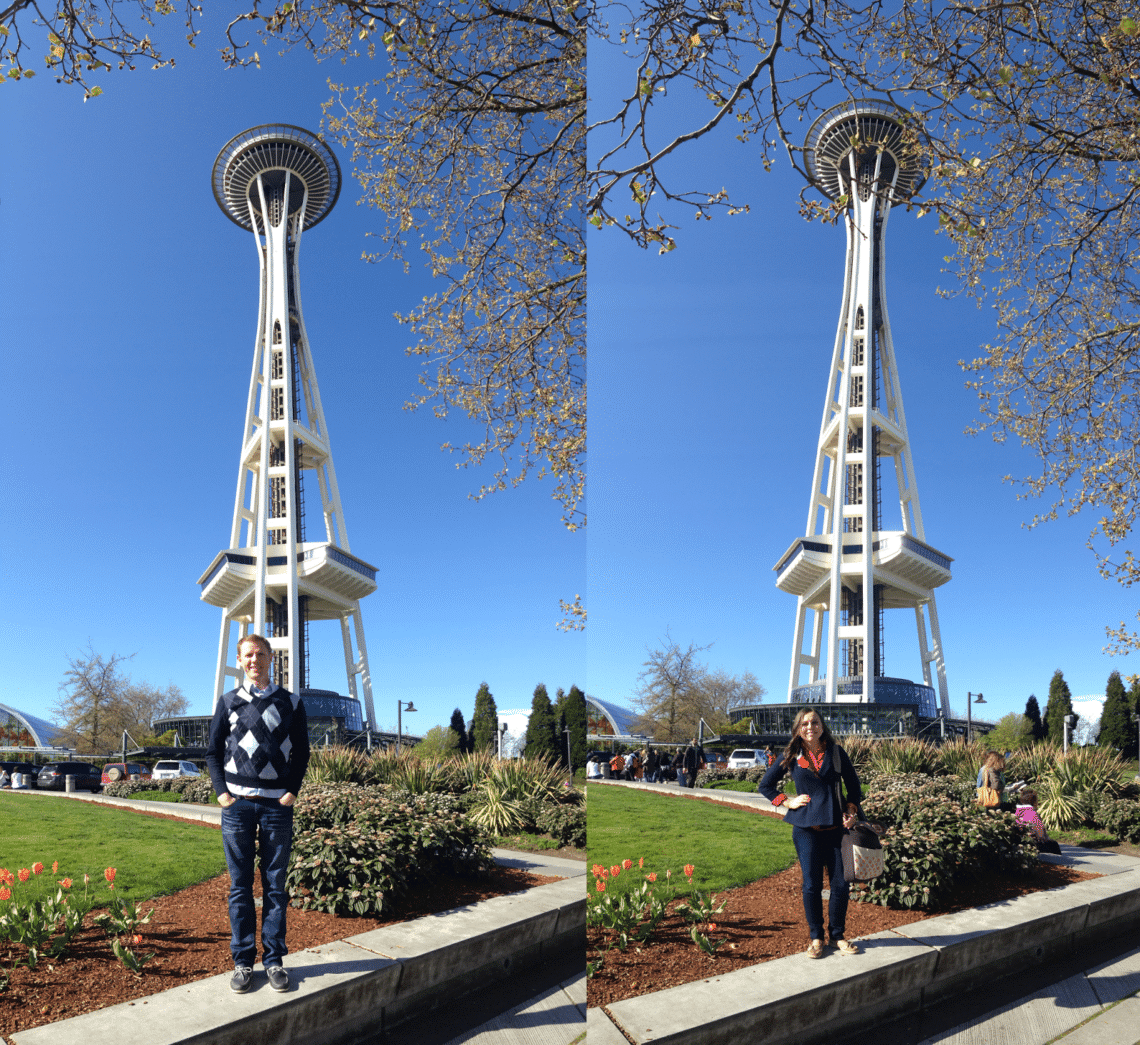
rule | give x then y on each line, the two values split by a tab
917	968
357	989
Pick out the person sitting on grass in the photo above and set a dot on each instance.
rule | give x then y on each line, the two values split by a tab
1027	817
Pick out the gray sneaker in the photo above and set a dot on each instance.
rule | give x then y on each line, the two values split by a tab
278	978
242	978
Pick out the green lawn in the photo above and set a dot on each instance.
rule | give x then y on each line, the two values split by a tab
152	857
728	847
1088	837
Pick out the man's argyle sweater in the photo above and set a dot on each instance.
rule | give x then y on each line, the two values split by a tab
259	743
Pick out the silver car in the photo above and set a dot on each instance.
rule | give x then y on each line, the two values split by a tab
741	758
171	770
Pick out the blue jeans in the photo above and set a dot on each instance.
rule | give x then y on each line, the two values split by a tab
817	850
264	828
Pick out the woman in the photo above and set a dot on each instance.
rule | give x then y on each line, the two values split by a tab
817	764
992	773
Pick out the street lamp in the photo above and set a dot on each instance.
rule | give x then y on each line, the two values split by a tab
1066	724
502	731
400	709
969	716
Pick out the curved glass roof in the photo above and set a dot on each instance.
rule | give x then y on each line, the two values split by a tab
13	723
623	719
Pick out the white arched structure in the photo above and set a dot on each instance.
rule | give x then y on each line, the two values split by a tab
276	181
849	567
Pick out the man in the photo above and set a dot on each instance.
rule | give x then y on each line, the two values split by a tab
678	766
694	761
652	762
257	756
617	767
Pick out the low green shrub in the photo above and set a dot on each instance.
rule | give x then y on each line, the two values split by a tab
192	789
1120	817
126	788
358	849
904	786
708	777
196	790
936	839
564	823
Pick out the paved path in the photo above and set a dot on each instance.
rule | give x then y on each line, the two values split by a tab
1060	1003
546	1006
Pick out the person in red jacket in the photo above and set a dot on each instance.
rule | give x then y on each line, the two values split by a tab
817	765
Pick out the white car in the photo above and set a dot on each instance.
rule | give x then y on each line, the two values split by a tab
171	770
741	758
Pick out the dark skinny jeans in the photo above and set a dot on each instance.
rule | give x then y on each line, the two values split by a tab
817	850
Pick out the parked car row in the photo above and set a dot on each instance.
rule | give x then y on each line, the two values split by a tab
88	777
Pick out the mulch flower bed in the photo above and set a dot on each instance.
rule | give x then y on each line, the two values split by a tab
189	935
765	920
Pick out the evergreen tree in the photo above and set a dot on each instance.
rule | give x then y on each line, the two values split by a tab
1116	729
1131	748
459	729
485	721
541	741
1033	713
1060	704
572	713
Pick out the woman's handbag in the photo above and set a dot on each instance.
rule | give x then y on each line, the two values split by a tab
988	798
862	851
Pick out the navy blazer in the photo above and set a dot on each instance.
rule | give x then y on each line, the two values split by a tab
822	810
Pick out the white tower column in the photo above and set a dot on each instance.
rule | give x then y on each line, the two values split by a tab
276	181
848	568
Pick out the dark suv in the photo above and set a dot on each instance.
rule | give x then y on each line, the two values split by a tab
28	768
53	777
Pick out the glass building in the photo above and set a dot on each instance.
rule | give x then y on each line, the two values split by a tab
18	729
331	717
900	707
608	720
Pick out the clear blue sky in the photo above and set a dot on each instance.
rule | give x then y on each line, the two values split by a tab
708	371
130	309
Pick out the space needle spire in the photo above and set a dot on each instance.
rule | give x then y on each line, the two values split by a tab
852	566
276	181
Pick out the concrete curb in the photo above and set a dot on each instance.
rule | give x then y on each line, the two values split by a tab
801	1001
352	990
797	1000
